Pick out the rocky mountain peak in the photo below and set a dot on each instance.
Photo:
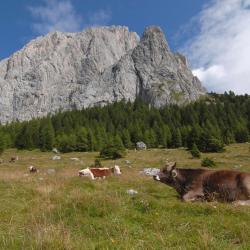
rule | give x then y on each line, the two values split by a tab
61	71
154	36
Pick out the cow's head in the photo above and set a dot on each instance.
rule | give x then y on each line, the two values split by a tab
86	173
167	174
116	170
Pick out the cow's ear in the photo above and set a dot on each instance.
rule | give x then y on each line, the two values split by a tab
170	166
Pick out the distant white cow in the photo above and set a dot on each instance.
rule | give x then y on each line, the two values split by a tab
93	173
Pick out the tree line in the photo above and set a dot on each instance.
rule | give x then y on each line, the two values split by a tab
207	124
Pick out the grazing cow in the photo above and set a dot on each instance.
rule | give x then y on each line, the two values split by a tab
205	184
32	169
99	172
14	159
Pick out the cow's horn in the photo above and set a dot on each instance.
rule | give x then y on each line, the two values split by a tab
174	173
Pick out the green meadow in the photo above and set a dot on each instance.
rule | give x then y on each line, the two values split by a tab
59	210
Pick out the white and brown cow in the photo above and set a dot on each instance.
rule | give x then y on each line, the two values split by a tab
32	169
14	159
94	173
206	184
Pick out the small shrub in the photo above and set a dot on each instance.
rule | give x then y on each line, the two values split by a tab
207	162
195	152
98	163
112	153
215	145
113	150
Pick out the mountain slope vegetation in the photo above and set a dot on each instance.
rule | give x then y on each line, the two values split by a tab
210	123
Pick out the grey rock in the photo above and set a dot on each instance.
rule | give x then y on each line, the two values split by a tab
62	71
54	150
56	157
51	171
151	171
141	145
74	159
132	191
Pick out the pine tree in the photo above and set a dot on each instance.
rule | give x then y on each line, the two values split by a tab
82	140
241	134
90	140
25	137
167	136
177	140
195	151
114	149
3	142
119	149
66	143
126	139
150	138
47	135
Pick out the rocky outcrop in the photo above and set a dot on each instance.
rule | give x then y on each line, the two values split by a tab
61	71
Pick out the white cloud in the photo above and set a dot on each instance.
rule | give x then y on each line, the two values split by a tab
60	15
100	17
220	51
55	15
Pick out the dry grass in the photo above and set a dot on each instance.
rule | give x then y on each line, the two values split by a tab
62	211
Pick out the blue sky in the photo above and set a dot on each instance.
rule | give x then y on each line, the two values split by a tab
16	19
214	34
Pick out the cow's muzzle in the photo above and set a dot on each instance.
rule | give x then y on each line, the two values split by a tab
156	178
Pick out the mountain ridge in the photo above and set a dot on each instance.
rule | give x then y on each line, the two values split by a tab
62	71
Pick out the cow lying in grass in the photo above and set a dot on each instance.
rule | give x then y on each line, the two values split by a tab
94	173
32	169
14	159
205	184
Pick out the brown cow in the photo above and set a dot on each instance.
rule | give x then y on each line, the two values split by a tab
205	184
14	159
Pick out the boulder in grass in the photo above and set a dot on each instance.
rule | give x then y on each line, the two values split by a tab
51	171
54	150
141	145
151	171
132	192
74	159
56	157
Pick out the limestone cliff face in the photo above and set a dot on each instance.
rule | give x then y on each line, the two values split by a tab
61	71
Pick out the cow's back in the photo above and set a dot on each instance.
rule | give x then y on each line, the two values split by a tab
100	172
228	185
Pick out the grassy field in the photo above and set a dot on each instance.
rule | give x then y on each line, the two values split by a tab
62	211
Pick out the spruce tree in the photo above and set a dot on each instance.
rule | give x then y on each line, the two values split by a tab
47	135
126	139
195	152
90	140
3	142
177	140
114	149
82	140
66	143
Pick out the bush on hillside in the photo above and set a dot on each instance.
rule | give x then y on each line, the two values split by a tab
114	149
97	163
195	152
207	162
